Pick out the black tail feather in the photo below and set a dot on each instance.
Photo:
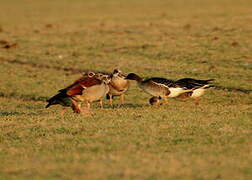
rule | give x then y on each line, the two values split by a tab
60	98
203	82
48	105
209	80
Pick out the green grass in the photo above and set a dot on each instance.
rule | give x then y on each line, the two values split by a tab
174	39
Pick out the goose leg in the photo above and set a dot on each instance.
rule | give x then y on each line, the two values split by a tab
88	105
76	107
101	103
197	100
122	99
110	100
165	100
87	110
184	100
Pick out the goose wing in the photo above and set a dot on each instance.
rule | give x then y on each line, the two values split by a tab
162	81
79	85
190	83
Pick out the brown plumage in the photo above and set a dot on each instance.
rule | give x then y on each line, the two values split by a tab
83	83
117	86
89	88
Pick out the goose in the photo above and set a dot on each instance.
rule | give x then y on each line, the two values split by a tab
159	87
89	88
118	86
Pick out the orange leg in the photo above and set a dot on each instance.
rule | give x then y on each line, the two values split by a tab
76	107
197	100
86	110
122	99
101	103
165	100
184	100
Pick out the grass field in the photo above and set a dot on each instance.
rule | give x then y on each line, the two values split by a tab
45	45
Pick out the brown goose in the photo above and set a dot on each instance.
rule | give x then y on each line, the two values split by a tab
117	86
89	88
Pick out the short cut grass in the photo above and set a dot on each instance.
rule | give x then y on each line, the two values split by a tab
45	45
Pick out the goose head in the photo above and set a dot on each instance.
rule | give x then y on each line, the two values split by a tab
133	76
117	73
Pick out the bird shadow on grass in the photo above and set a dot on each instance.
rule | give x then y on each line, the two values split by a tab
233	89
128	105
14	113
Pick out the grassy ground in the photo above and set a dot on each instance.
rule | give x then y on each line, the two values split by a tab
57	40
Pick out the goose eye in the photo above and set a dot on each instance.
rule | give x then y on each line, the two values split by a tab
91	74
116	71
